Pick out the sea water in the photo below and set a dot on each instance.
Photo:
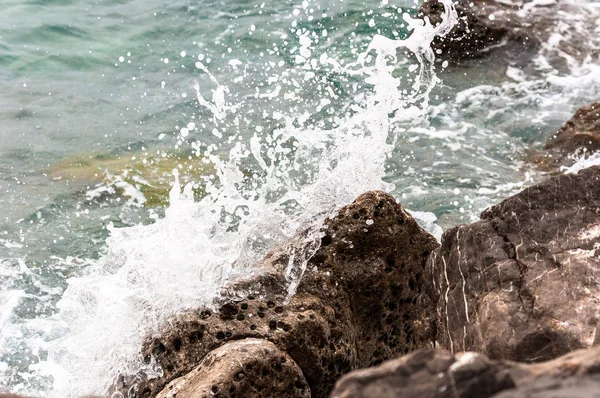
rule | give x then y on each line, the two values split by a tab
268	118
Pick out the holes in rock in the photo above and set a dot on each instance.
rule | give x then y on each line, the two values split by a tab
220	335
279	310
227	334
261	314
326	240
249	368
205	314
240	317
362	212
299	385
390	261
411	283
244	306
228	311
214	389
240	376
159	347
252	327
177	343
272	325
270	304
356	216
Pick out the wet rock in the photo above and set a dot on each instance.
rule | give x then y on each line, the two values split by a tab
474	30
515	30
359	302
436	373
249	367
578	136
521	283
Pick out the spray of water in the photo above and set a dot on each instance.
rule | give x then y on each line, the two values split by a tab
302	176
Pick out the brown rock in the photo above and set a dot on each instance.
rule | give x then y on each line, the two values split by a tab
358	303
439	374
580	133
520	284
513	31
249	368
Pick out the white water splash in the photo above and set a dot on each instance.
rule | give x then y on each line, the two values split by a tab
184	259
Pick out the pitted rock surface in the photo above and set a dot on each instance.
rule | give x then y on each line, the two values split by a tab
580	133
439	374
359	302
522	283
249	368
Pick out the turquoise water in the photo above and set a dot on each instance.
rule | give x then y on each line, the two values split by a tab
115	80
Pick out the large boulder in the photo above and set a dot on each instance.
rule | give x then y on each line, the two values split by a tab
436	373
358	303
520	284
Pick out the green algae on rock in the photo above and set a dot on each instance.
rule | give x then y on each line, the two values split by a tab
149	175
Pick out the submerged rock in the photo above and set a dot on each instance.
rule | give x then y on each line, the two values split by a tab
436	373
520	284
578	136
358	303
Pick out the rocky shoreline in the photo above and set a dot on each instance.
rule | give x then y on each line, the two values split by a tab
501	296
508	306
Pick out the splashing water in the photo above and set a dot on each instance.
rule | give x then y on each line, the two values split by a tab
301	176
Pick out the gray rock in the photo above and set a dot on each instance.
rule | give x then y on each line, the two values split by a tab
439	374
521	283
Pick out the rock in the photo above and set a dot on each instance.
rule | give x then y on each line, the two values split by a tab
436	373
520	284
426	373
359	302
249	367
474	31
579	134
517	29
571	387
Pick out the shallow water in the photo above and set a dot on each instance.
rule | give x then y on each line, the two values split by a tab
116	80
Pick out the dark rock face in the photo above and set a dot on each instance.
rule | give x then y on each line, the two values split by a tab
517	28
249	367
359	302
578	134
520	284
474	30
436	373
